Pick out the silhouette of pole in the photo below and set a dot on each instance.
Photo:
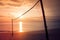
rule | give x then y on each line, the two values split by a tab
44	19
12	29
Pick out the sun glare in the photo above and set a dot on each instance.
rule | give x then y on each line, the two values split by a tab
20	27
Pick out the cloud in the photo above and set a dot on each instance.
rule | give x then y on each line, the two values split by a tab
1	4
16	0
10	2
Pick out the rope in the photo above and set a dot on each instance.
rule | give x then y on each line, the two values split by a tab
28	10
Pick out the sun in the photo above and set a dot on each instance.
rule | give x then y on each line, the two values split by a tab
20	27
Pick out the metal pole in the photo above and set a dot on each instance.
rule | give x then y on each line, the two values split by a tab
44	19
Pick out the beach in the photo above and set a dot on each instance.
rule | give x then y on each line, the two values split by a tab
33	35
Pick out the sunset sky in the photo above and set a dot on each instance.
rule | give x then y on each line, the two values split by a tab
11	9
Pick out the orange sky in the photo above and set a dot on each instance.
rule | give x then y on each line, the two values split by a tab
21	6
13	9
